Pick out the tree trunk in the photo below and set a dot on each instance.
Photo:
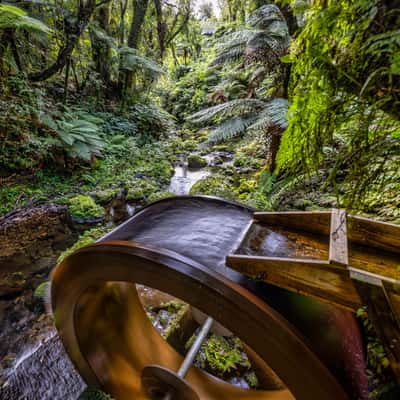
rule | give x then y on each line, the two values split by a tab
275	141
73	33
124	7
100	49
139	12
161	28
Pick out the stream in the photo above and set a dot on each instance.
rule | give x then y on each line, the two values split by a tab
184	178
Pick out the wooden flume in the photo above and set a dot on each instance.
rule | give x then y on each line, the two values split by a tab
355	262
179	246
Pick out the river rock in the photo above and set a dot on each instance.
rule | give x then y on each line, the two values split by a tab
196	162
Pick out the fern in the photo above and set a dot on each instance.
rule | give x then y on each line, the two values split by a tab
133	61
230	129
273	115
79	137
226	110
12	17
266	39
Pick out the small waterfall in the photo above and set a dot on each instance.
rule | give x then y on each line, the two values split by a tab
184	178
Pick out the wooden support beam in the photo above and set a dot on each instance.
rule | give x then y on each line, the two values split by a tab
307	221
376	234
314	278
338	250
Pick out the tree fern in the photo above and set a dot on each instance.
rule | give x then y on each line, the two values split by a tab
267	37
230	109
273	115
132	60
230	129
243	115
12	17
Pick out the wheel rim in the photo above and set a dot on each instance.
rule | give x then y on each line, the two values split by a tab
97	313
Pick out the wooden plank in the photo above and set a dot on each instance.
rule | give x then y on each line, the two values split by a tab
242	237
377	234
314	278
309	221
338	251
380	313
374	261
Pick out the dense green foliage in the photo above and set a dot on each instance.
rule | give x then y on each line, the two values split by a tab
344	93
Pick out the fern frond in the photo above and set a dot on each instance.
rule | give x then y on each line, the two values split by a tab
230	129
132	60
232	55
15	18
230	109
102	36
273	115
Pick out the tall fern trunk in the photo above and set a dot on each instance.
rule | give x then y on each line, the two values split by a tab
139	13
101	51
161	29
274	143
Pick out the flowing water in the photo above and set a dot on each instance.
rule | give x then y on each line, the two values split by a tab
184	178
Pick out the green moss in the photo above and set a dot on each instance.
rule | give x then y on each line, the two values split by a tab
217	185
222	147
179	310
141	189
84	207
251	379
221	356
106	196
159	196
42	290
189	145
246	162
196	162
88	238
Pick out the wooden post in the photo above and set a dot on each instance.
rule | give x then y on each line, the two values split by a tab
338	250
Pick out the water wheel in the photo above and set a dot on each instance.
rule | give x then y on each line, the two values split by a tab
111	341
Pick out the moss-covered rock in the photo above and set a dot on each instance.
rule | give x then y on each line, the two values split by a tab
89	237
141	189
196	162
83	207
159	196
106	196
217	185
224	357
246	163
222	147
